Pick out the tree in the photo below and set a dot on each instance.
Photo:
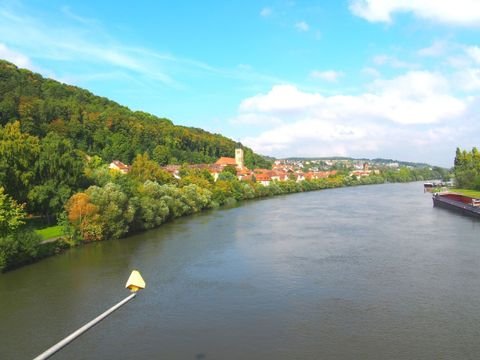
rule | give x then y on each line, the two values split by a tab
467	169
83	215
12	214
152	208
195	197
18	154
144	169
19	247
161	154
59	173
115	212
230	169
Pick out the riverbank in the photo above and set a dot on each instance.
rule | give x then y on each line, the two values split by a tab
182	203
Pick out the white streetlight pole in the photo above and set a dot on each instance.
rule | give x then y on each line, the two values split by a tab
134	283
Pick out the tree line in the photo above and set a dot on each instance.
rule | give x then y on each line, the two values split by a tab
117	204
467	169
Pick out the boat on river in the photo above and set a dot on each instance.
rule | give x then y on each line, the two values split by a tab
435	185
460	203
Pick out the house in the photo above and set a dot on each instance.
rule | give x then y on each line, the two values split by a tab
226	161
263	179
119	166
244	174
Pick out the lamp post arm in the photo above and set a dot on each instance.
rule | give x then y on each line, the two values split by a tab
77	333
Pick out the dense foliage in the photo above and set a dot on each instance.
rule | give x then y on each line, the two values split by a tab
47	130
129	203
406	174
17	244
467	169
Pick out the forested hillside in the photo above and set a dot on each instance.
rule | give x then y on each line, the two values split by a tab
98	126
48	130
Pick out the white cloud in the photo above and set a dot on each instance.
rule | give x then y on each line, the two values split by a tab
458	61
380	59
459	12
371	72
414	98
266	11
302	26
282	98
393	116
473	53
392	61
468	79
329	75
15	57
438	48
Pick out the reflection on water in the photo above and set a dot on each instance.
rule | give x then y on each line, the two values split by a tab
371	272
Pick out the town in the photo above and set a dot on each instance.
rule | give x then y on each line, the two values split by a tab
282	170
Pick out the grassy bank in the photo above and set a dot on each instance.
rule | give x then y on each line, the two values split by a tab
471	193
51	232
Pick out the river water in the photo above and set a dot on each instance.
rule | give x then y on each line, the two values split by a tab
371	272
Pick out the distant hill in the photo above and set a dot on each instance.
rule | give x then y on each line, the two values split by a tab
375	161
99	126
401	163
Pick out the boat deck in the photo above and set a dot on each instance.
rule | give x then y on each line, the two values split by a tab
459	203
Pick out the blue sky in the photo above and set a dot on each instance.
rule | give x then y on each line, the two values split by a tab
363	78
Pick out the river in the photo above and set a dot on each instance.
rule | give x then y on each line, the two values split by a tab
371	272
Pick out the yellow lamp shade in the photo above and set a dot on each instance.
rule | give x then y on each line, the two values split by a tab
135	282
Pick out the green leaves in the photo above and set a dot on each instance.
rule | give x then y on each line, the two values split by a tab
12	214
18	248
59	172
18	154
467	169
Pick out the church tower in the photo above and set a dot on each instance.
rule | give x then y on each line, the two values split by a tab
239	157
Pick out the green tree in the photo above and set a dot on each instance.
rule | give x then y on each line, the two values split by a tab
19	247
18	154
12	214
152	206
59	172
144	169
115	211
230	169
17	244
467	169
161	154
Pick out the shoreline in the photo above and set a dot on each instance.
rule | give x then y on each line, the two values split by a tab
58	245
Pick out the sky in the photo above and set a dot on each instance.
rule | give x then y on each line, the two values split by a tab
395	79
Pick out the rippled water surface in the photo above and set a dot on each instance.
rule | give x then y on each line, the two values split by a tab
371	272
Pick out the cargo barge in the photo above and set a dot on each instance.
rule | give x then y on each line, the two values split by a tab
460	203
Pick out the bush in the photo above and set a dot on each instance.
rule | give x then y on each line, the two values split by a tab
18	248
